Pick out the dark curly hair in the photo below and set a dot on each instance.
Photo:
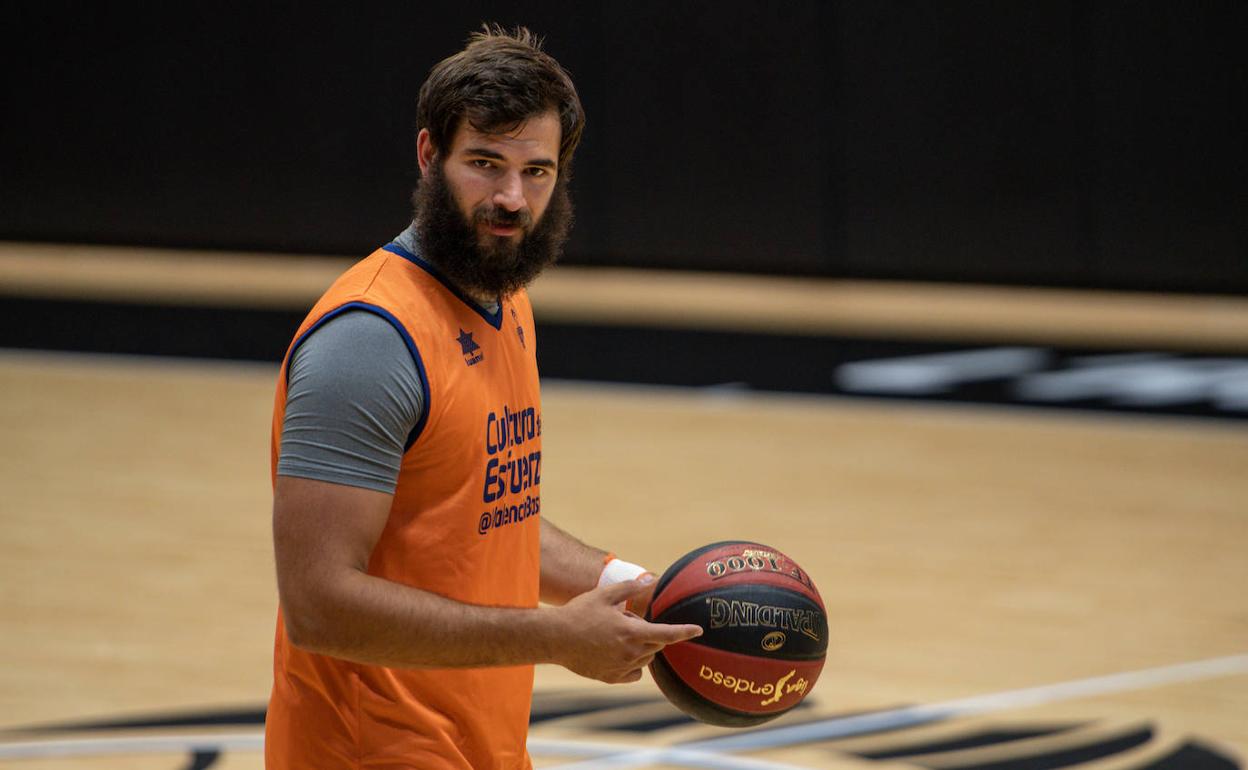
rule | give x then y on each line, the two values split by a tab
501	79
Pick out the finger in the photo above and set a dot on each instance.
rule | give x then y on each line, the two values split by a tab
641	601
619	592
670	633
631	676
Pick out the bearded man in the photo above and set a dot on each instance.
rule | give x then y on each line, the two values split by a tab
410	543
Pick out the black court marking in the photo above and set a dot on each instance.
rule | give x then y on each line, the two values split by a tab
1193	756
202	760
654	724
241	717
975	740
1212	385
244	334
549	706
677	357
1064	757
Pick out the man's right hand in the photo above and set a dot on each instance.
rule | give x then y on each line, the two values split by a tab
602	642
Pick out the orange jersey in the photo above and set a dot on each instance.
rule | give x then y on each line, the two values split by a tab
464	524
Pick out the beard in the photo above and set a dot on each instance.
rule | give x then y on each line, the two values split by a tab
487	265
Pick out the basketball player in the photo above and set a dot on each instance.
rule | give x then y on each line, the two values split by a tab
410	543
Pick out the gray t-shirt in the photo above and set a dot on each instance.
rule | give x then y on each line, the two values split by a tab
353	397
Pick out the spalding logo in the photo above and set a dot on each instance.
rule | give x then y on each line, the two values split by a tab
734	613
773	641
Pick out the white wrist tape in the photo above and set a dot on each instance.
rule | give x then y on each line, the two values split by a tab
617	571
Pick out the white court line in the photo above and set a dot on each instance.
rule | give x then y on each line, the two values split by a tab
164	744
255	742
707	753
981	704
544	747
917	715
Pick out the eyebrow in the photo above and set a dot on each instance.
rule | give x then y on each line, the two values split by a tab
484	153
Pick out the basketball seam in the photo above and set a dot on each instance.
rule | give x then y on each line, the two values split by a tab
671	572
744	718
769	656
701	641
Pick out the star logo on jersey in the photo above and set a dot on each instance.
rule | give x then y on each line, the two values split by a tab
471	350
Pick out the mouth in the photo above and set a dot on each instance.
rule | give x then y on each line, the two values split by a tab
503	231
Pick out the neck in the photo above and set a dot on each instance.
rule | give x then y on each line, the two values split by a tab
410	239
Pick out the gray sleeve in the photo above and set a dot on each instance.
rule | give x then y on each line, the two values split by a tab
353	397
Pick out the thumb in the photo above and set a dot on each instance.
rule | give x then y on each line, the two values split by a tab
624	590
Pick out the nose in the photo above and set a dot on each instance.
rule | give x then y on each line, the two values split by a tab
509	194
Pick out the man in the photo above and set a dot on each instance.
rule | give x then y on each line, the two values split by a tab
410	543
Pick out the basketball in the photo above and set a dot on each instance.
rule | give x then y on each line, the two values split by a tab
764	640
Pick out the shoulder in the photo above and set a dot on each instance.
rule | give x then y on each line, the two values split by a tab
357	347
354	333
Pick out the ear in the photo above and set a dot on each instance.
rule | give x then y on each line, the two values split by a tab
425	151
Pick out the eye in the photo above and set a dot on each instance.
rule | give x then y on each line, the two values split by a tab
482	163
537	171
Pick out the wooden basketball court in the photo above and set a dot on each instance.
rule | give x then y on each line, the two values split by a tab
1006	588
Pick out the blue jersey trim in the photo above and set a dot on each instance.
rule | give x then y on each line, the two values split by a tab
407	340
494	319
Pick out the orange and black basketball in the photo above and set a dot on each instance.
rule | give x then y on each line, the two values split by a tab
764	640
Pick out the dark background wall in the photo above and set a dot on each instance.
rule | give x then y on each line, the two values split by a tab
1061	143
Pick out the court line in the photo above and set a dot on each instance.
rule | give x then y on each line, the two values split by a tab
912	716
981	704
707	753
163	744
175	744
672	755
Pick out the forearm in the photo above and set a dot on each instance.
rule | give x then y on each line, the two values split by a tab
371	620
569	567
